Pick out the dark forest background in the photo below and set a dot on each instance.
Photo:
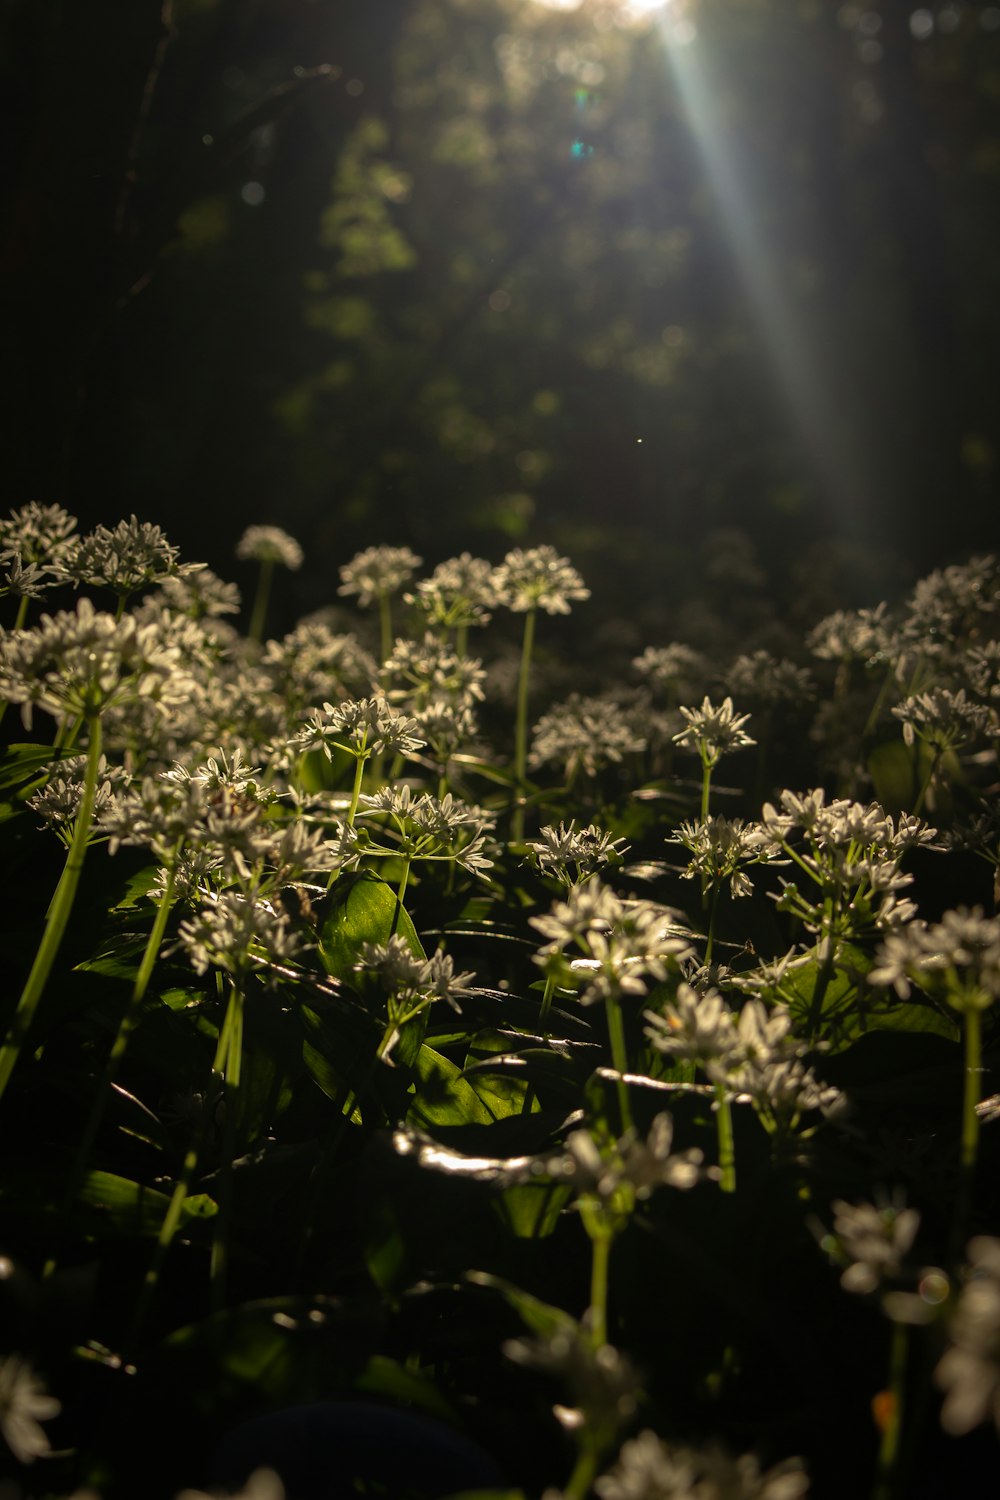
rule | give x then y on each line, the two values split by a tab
717	314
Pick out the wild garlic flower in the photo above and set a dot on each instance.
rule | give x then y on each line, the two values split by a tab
24	1404
572	854
368	726
601	1385
269	544
128	558
768	1067
458	594
720	848
627	1170
843	824
446	728
969	1370
228	779
311	664
851	635
57	803
650	1469
695	1026
411	979
20	579
263	1484
160	813
624	943
431	828
201	595
956	960
872	1241
583	734
80	662
952	601
676	668
943	719
713	730
39	534
537	578
236	933
427	671
378	572
768	680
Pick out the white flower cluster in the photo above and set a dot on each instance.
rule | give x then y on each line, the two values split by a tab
969	1369
713	730
572	854
269	544
537	578
458	593
956	960
584	734
378	572
362	727
721	847
650	1469
623	944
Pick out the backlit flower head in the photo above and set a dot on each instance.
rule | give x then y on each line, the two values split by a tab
538	578
459	593
572	854
24	1404
124	559
713	730
378	572
269	544
969	1370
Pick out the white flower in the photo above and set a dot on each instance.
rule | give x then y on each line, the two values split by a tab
956	960
650	1469
134	554
378	572
874	1240
584	733
586	849
719	849
459	593
24	1403
39	534
768	680
235	932
269	544
696	1025
969	1370
311	664
675	668
538	578
363	728
713	730
262	1485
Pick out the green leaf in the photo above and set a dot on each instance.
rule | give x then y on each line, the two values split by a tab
385	1377
443	1096
363	908
134	1208
531	1210
540	1317
21	763
851	1007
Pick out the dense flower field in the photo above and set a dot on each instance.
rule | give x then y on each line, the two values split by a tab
431	1067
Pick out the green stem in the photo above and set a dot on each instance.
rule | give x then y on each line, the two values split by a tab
462	640
970	1129
579	1482
710	940
232	1070
706	782
619	1057
59	912
126	1026
597	1316
521	728
727	1145
359	773
888	1456
260	603
543	1016
926	783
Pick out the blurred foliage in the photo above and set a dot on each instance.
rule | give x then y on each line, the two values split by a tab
438	271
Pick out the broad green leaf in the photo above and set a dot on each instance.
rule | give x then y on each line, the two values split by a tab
385	1377
134	1208
531	1210
541	1317
363	908
443	1096
851	1007
21	763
